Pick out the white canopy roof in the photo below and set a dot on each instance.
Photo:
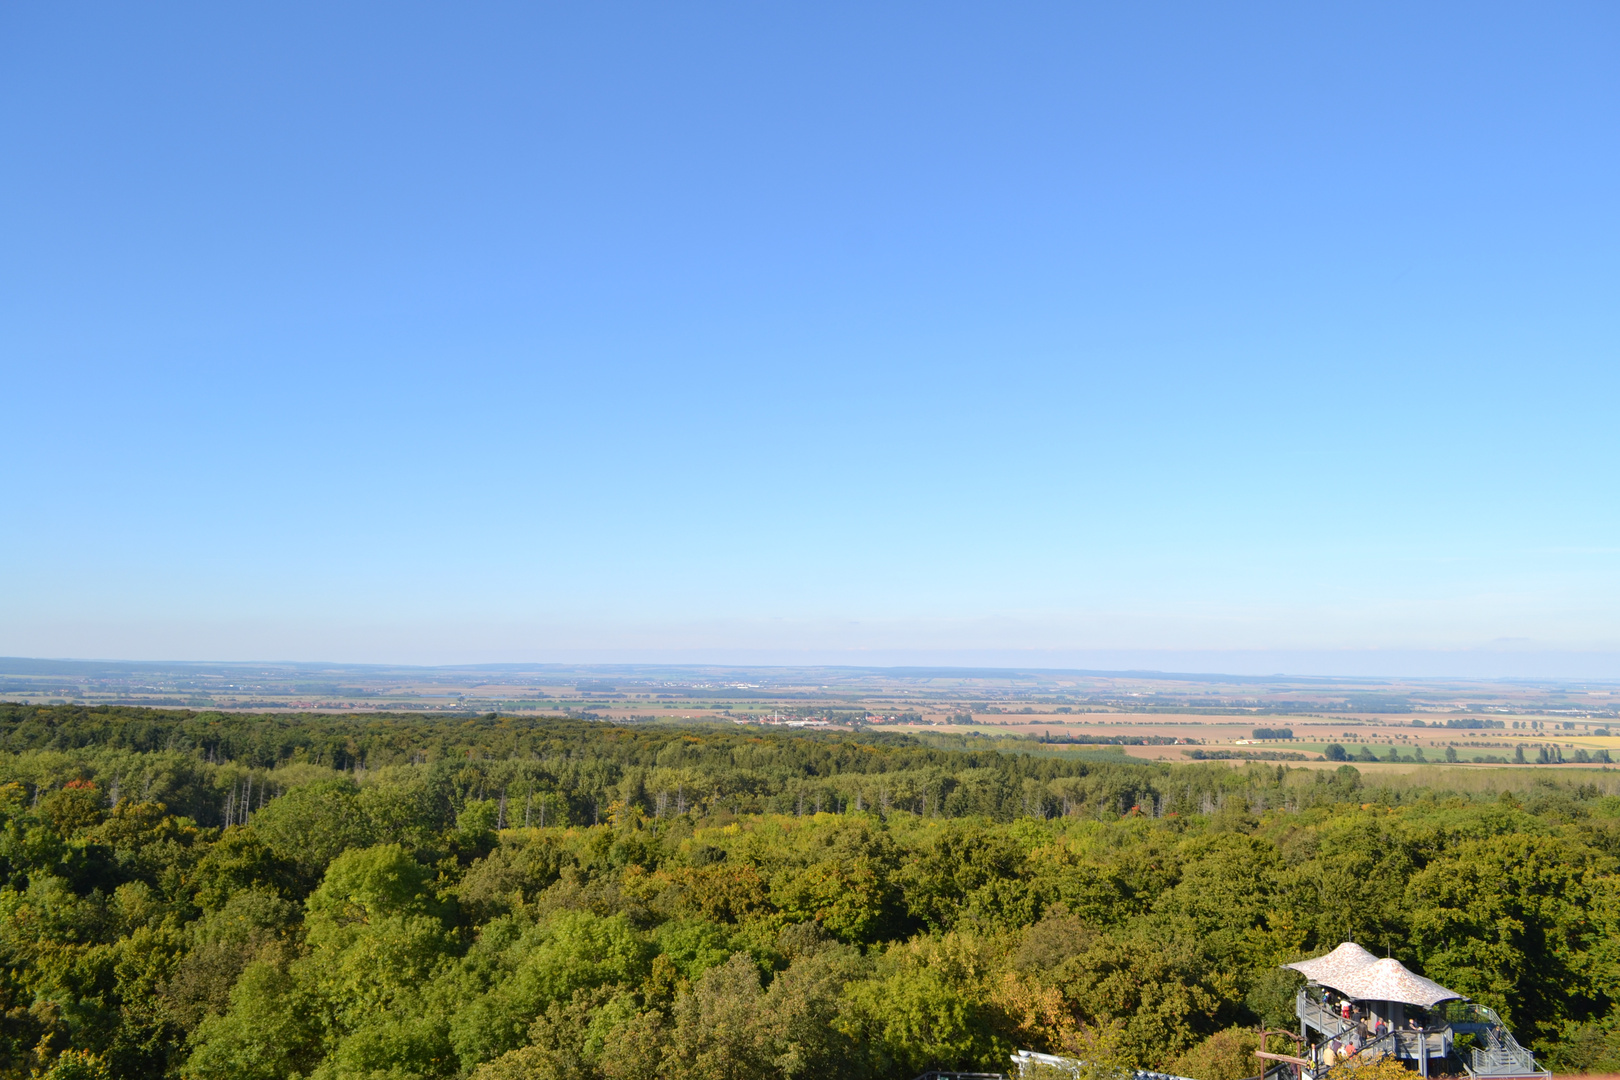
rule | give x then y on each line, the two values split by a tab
1359	974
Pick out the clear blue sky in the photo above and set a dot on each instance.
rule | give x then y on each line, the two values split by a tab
480	332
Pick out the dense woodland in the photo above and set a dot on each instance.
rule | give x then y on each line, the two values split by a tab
210	896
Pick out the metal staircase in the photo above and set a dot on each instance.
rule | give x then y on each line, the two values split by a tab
1501	1056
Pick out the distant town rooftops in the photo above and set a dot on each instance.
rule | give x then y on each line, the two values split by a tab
1358	974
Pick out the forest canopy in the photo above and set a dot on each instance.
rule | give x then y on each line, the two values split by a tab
207	895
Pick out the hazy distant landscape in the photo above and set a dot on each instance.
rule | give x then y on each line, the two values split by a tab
935	691
1148	715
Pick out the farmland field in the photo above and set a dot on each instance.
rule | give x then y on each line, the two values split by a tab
1146	715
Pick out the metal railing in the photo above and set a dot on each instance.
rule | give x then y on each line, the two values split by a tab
1413	1045
1328	1021
1317	1015
1504	1061
1501	1056
1027	1063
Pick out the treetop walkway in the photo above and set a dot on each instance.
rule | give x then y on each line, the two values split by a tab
1355	1006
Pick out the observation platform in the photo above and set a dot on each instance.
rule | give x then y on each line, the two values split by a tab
1357	1007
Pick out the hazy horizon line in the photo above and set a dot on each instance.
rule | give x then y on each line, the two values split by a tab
1475	663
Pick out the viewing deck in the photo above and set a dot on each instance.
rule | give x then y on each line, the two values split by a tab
1494	1055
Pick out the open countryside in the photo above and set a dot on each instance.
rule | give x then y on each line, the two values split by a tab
1147	715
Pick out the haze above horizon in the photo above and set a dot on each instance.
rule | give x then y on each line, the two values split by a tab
1253	339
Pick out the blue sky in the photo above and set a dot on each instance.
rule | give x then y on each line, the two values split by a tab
510	332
